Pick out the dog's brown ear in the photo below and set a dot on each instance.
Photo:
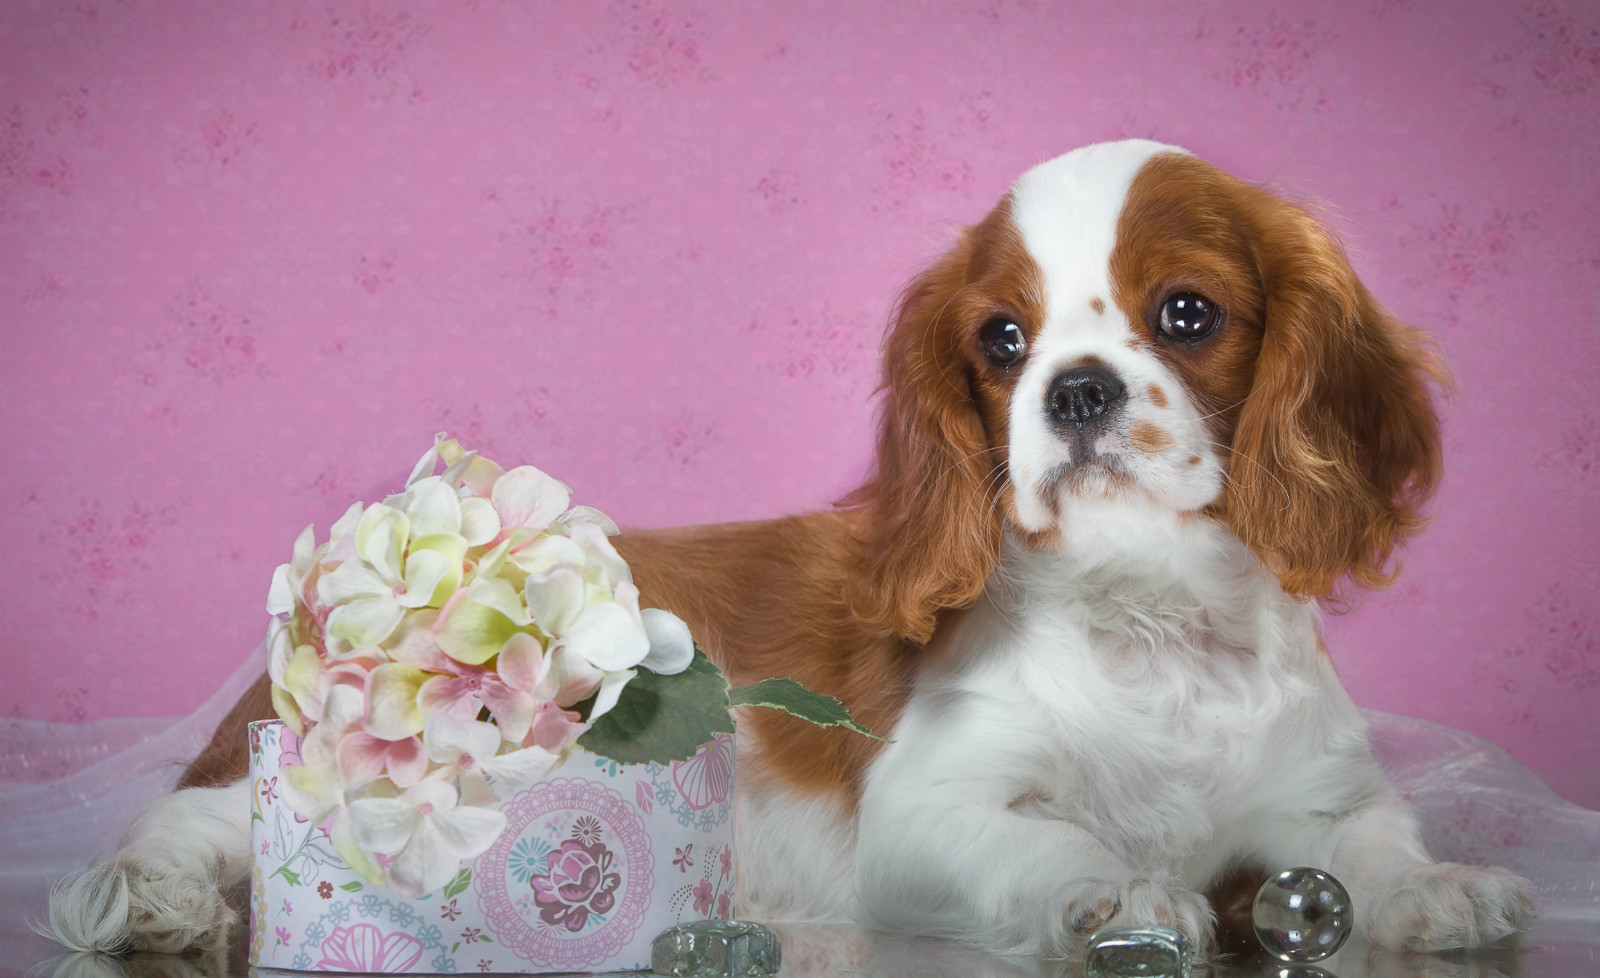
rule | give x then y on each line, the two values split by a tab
1337	447
931	534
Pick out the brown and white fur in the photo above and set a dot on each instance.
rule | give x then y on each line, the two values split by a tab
1079	591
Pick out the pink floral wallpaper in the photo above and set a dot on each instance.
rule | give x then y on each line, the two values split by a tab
253	255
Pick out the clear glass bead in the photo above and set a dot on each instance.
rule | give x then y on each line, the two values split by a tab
716	949
1302	914
1136	952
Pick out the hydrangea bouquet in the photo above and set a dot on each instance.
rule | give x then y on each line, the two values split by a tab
445	648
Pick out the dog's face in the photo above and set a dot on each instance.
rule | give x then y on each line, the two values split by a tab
1132	325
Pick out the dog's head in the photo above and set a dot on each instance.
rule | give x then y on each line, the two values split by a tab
1132	326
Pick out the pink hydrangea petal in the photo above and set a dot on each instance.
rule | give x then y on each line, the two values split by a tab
362	756
407	761
512	709
522	663
525	496
450	695
554	729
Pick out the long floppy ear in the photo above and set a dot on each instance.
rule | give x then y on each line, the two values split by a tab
931	533
1339	420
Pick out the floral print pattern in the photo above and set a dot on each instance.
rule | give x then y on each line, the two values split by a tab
579	883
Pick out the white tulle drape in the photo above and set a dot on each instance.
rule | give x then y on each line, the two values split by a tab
68	790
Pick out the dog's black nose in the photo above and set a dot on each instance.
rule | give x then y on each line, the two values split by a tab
1081	395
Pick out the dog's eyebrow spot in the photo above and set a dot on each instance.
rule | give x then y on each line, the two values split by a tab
1157	396
1146	436
1195	460
1098	305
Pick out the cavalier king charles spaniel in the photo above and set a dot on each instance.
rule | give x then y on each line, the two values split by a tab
1136	424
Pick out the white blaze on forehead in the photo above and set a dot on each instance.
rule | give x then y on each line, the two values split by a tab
1066	211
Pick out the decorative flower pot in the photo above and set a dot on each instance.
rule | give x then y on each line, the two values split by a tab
596	859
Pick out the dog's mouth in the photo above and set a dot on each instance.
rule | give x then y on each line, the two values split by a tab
1095	475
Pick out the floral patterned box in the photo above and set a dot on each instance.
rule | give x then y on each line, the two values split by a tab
596	860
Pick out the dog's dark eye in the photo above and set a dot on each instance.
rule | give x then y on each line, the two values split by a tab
1002	341
1189	316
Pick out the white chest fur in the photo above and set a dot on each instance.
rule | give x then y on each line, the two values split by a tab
1152	686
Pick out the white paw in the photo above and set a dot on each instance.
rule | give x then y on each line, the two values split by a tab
173	910
1448	905
1139	902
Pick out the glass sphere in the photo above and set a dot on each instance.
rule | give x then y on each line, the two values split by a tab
1302	914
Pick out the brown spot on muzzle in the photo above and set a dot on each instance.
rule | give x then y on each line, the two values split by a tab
1148	437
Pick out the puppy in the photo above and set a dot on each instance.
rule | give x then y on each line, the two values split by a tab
1136	424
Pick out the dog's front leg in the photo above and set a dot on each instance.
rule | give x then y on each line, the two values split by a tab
1351	822
1406	902
951	844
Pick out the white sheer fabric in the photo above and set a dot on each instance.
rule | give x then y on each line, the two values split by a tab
68	790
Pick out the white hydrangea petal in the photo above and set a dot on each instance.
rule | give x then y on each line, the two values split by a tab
493	592
671	645
280	646
555	598
510	773
587	514
425	464
601	554
569	679
343	709
311	792
608	637
381	539
469	469
305	545
610	690
425	569
350	580
433	507
366	621
467	833
479	522
341	537
384	824
449	739
280	596
547	552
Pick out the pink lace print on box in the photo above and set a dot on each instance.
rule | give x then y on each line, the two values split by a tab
705	779
591	886
365	948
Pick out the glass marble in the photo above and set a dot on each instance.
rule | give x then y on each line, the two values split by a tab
1302	914
1136	952
716	949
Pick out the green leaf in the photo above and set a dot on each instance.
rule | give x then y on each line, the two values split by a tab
454	946
458	884
663	718
292	877
350	887
485	938
791	697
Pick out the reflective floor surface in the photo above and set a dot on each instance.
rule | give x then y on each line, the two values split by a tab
1555	949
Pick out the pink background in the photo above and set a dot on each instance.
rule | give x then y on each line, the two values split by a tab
252	256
